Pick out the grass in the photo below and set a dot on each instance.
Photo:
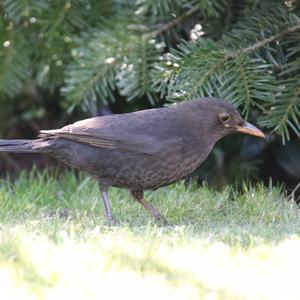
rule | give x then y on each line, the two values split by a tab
55	242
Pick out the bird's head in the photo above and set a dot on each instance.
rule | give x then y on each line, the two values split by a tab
231	121
220	118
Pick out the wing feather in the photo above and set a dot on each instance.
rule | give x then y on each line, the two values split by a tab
134	132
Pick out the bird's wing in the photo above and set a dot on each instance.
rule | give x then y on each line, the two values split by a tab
117	132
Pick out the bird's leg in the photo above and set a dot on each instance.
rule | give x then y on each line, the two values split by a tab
108	213
139	196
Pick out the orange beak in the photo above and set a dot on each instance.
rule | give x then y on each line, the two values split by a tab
250	129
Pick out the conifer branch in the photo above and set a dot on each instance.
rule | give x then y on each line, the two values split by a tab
287	115
172	23
264	42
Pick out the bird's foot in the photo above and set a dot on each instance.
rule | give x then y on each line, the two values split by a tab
163	222
111	221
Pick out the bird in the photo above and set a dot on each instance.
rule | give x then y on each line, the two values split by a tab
142	150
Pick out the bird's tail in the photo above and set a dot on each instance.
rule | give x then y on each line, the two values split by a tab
25	146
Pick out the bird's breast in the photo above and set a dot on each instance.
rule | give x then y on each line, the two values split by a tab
150	171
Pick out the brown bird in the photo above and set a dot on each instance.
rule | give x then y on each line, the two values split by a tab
141	150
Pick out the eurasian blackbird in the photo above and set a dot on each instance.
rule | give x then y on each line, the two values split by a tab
140	150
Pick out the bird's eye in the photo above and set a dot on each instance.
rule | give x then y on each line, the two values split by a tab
224	117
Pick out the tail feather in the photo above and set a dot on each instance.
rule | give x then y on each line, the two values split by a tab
24	146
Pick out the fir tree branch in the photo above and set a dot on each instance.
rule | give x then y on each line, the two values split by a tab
172	23
245	83
264	42
217	64
286	116
206	77
59	20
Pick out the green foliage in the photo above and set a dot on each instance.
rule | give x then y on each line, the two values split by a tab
158	8
134	79
93	59
65	196
92	74
14	61
17	10
285	113
253	66
212	8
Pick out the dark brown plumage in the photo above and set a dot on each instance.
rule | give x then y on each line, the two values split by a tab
141	150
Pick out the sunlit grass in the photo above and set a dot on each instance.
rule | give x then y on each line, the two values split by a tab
55	242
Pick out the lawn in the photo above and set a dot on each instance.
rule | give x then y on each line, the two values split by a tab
55	242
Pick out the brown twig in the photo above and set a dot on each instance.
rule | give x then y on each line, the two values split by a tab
171	24
264	42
